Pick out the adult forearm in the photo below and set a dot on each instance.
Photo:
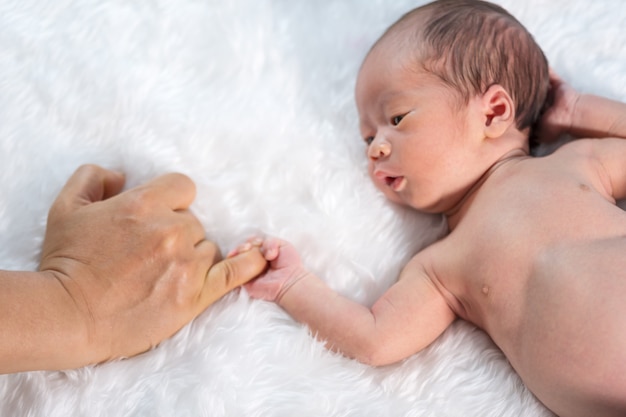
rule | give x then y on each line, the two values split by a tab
344	325
597	117
40	326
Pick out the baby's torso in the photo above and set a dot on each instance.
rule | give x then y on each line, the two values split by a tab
512	224
523	262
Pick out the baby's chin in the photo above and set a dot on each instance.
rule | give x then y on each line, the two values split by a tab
405	200
397	191
394	197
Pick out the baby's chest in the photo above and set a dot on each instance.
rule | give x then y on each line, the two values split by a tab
490	258
528	212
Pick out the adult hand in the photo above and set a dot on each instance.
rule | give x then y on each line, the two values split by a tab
558	116
136	266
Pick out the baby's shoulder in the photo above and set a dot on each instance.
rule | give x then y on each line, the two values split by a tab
574	149
582	160
582	149
430	259
578	155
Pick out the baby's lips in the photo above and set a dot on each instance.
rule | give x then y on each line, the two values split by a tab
383	176
395	182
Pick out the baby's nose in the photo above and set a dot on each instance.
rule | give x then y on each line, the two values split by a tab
379	148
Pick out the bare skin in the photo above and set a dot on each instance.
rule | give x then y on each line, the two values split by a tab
536	250
119	272
550	295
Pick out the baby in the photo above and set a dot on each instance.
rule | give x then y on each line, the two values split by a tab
536	249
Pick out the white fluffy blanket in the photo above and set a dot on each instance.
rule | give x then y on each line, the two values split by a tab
254	100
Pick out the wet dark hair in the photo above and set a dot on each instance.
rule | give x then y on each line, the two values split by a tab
472	45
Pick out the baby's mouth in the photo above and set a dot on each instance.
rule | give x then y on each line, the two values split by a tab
395	183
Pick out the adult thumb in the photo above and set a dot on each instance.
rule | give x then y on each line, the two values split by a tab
231	273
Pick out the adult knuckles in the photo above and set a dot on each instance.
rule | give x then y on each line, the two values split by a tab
182	185
89	171
137	202
179	178
187	295
151	195
182	182
211	251
138	208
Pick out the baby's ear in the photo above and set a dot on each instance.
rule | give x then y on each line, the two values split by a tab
498	111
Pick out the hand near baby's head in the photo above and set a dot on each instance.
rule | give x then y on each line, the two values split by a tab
558	113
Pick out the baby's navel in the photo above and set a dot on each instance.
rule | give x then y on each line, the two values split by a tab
583	187
486	290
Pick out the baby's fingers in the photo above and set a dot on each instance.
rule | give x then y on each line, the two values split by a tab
250	243
271	248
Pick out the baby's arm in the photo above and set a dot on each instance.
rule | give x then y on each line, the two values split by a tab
407	318
581	115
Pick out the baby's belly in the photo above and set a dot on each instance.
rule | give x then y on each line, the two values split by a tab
566	336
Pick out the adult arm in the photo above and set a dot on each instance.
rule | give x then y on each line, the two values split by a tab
119	273
598	117
580	115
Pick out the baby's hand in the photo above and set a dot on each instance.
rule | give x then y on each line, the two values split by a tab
285	268
558	113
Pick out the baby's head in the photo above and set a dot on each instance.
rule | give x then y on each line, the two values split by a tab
440	82
471	45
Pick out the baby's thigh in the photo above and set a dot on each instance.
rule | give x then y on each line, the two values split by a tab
574	333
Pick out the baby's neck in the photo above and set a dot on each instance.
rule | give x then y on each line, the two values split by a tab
455	214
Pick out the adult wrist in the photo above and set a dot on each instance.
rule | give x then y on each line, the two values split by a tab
41	327
74	337
577	115
596	117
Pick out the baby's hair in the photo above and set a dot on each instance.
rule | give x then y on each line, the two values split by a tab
472	45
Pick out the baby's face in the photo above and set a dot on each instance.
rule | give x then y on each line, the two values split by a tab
416	134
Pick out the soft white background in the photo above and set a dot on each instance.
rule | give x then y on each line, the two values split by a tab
254	100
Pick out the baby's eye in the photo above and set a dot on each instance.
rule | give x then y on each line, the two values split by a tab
368	140
396	120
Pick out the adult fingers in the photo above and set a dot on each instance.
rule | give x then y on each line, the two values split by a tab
232	272
188	226
88	184
554	77
176	191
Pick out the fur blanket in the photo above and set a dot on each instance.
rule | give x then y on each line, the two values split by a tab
254	100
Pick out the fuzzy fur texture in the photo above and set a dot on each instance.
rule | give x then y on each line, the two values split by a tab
254	100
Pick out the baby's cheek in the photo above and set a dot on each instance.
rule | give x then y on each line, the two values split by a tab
370	172
381	186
